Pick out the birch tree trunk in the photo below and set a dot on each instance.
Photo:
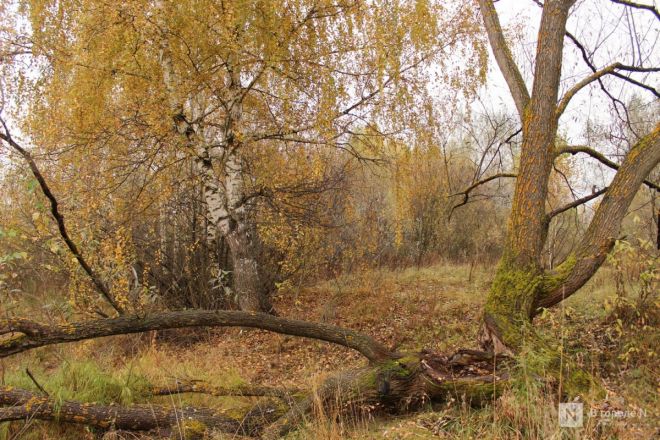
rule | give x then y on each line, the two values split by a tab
214	137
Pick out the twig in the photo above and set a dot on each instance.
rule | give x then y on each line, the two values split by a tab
34	381
466	193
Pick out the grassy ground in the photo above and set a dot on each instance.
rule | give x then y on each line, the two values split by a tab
436	308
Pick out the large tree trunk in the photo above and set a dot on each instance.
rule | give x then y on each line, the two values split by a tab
232	218
513	292
240	231
249	288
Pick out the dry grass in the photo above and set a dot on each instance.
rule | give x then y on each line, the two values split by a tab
436	307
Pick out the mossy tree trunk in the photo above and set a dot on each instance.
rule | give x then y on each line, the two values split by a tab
517	281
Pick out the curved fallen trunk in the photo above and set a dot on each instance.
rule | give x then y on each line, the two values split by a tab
39	335
392	382
400	385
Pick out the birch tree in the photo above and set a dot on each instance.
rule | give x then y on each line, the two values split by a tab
212	82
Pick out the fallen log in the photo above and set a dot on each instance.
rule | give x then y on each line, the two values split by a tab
238	391
398	386
25	405
32	335
391	382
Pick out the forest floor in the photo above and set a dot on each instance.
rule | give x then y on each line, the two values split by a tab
436	308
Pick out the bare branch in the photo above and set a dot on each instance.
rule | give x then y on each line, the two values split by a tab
587	61
580	85
609	70
575	204
35	382
466	193
638	83
504	57
615	101
638	6
620	66
602	159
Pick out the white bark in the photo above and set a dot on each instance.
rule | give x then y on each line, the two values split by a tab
219	162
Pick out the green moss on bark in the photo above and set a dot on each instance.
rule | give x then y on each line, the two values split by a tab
401	368
510	302
554	279
194	430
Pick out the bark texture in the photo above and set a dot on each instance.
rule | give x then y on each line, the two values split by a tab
25	405
25	335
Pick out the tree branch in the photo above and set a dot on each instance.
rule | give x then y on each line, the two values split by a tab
638	83
59	218
368	347
504	57
609	70
615	101
638	6
602	159
604	228
466	193
575	204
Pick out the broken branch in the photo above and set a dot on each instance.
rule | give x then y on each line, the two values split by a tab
59	218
